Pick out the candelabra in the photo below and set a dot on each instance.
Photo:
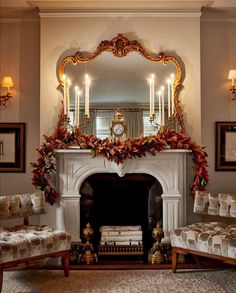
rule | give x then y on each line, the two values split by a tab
169	124
76	129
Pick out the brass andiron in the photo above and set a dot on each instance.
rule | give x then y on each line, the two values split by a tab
88	256
156	254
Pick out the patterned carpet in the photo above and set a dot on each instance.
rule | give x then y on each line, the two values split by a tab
114	281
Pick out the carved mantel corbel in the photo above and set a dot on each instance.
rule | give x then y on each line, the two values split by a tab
117	168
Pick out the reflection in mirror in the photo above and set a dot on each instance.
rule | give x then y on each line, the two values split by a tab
144	87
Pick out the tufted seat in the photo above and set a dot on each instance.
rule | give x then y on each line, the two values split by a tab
26	241
29	242
211	239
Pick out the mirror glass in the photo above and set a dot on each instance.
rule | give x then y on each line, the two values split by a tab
119	82
132	83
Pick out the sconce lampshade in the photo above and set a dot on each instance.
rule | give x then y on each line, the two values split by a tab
7	82
232	74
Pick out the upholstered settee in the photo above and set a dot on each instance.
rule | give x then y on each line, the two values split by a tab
26	243
211	239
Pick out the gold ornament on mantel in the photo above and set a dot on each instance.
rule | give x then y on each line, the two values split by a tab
88	256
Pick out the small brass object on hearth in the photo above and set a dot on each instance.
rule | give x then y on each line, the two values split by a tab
88	256
181	258
157	257
156	254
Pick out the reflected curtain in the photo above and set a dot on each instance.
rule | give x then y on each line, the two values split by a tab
134	119
90	127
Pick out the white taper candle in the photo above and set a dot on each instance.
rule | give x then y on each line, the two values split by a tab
159	106
150	98
169	101
87	85
68	83
76	109
163	104
172	93
153	100
64	93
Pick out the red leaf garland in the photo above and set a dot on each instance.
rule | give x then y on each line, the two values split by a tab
113	150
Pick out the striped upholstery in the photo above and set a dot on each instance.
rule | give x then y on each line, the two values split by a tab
22	205
22	242
26	241
221	204
212	237
215	238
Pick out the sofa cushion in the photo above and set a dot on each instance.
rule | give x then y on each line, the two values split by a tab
26	241
22	205
4	207
15	206
222	204
26	205
214	238
38	203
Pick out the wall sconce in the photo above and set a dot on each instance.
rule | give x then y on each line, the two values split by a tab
8	83
232	76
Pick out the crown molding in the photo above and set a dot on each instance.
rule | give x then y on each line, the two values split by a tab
118	14
217	10
13	13
18	19
108	6
216	15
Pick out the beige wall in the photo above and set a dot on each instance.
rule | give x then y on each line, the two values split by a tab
19	47
218	55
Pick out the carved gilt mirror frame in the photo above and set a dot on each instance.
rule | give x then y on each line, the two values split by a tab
121	46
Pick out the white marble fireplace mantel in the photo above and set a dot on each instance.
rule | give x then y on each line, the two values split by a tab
74	166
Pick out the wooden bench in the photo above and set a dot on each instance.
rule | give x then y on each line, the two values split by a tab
216	240
28	243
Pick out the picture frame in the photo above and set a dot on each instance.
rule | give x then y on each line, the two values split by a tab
12	147
225	146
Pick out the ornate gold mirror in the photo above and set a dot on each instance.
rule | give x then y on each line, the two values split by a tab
122	74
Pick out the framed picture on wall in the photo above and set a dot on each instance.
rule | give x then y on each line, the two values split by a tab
225	146
12	147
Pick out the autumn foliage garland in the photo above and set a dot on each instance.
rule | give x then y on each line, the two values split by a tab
113	150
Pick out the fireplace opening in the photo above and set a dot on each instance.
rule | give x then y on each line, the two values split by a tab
132	200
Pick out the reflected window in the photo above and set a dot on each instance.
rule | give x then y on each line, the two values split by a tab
103	122
148	128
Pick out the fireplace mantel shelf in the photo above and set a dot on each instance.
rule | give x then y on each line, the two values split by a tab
76	150
75	165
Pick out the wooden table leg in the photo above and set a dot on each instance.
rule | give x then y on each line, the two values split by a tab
1	280
174	260
65	263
